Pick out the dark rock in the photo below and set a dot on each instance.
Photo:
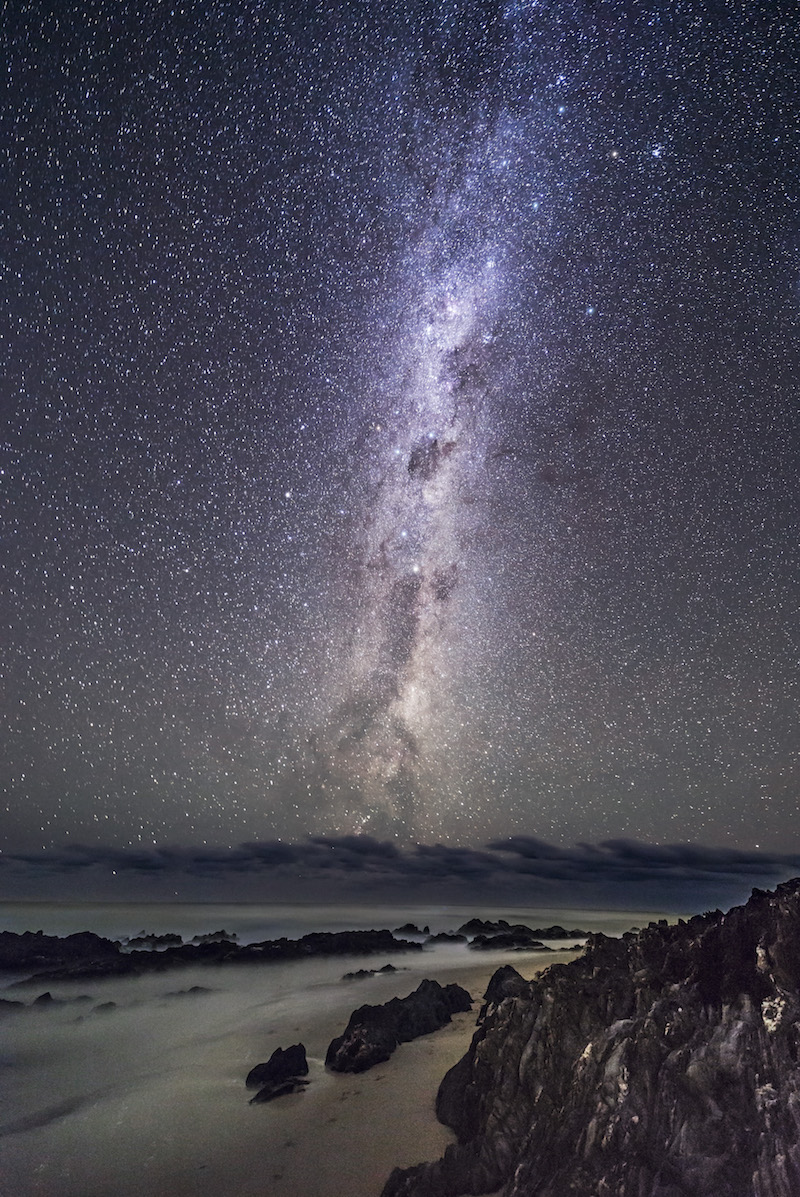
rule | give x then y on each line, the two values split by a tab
279	1089
35	952
194	991
662	1064
362	973
7	1007
446	937
284	1064
407	929
505	983
557	932
373	1032
487	927
501	927
216	937
510	941
168	940
88	956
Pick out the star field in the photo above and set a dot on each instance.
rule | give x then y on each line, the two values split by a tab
401	421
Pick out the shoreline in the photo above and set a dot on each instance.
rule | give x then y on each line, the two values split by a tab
177	1123
141	1091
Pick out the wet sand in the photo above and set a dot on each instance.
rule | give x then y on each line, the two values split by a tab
175	1120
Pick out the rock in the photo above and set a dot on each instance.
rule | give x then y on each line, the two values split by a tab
408	929
168	940
362	973
89	956
104	1008
35	952
284	1064
216	937
373	1032
193	991
486	927
501	927
279	1089
509	941
505	983
662	1064
556	932
446	937
7	1007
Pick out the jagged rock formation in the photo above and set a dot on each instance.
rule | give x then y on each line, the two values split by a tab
662	1064
282	1074
373	1032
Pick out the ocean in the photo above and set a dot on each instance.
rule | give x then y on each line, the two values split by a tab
135	1087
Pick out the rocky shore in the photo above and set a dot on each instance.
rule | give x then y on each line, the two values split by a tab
661	1064
86	956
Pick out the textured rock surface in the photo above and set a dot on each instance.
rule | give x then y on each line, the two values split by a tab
373	1032
664	1064
283	1064
281	1073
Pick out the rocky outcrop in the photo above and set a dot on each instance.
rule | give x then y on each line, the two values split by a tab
85	955
35	952
662	1064
508	941
152	942
373	1032
361	974
501	927
282	1073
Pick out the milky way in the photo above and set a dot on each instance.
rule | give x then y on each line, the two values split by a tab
403	424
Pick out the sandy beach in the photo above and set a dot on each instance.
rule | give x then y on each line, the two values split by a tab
160	1107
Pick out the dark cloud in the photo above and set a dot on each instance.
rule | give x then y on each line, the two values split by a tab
523	870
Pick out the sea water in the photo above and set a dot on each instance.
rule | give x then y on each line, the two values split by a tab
135	1086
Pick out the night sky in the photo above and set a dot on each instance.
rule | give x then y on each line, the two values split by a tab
401	423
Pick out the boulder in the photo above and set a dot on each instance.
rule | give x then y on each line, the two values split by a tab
373	1032
285	1065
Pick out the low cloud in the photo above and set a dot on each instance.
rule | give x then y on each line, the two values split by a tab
518	871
